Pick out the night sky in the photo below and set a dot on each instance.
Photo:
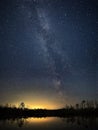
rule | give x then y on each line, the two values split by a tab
48	52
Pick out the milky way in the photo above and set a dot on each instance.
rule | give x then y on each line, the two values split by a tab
48	47
52	53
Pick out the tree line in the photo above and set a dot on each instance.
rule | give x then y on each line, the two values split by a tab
84	108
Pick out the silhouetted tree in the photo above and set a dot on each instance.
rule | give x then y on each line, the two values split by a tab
6	105
77	106
96	104
83	104
22	105
91	104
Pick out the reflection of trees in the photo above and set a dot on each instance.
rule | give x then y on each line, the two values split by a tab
71	120
20	122
82	121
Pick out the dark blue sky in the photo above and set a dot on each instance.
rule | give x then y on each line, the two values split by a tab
48	51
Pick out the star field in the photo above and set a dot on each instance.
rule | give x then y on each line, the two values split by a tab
48	47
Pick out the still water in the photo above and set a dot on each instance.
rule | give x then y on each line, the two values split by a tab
50	123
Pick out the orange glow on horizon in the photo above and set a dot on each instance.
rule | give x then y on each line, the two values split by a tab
38	101
39	105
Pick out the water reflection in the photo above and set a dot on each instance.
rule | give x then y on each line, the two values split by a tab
40	120
20	122
48	123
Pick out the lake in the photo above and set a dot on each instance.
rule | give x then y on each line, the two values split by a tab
49	123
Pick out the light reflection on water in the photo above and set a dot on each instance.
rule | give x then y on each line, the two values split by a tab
48	123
